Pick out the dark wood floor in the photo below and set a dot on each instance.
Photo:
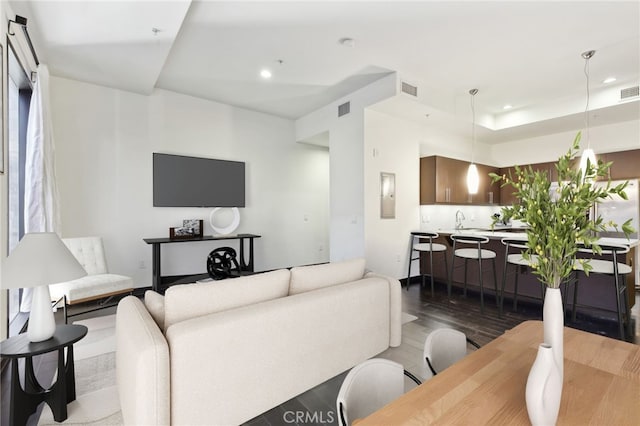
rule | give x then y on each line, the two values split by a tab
317	406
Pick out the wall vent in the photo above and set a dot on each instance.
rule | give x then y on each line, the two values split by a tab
409	89
629	92
344	109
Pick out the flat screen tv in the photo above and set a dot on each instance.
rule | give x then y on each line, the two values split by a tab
181	181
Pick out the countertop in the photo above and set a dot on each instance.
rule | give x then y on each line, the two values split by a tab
509	232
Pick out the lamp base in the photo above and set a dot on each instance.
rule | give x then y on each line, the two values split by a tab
42	325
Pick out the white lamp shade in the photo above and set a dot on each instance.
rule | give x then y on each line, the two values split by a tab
587	154
473	179
40	259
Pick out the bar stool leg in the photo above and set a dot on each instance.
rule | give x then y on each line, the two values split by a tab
504	281
515	291
453	260
464	292
410	261
495	282
620	322
481	285
431	271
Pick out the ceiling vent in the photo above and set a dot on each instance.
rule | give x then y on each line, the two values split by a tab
629	92
409	89
344	109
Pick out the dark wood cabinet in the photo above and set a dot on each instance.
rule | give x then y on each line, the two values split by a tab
444	181
625	164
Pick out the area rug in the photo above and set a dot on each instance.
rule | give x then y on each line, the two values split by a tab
96	401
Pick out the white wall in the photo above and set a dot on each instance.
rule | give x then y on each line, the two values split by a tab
346	146
607	138
104	141
396	145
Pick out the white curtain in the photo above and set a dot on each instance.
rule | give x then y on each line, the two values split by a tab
41	212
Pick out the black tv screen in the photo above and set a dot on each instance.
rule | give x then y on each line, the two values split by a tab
181	181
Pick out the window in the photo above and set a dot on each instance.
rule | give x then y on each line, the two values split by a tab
18	99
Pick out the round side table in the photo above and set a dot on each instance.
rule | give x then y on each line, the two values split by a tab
24	402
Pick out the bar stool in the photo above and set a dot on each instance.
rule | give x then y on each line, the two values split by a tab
429	247
477	253
613	268
516	259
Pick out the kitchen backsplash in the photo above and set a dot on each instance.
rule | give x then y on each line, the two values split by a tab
443	217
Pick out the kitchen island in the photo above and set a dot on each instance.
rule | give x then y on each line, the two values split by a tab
597	292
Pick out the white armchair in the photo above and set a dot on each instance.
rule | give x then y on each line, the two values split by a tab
98	283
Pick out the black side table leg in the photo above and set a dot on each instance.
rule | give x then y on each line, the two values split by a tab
70	371
56	398
22	403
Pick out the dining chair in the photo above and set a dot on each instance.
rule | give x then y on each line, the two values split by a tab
444	347
422	242
370	386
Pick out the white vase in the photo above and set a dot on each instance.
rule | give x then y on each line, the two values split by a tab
544	388
553	324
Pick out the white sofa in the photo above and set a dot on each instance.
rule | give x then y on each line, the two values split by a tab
224	352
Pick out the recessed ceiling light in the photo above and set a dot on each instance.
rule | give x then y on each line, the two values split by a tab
609	80
265	73
507	106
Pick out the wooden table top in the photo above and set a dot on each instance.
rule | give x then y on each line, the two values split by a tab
601	384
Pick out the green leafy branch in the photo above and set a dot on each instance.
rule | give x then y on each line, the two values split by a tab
558	221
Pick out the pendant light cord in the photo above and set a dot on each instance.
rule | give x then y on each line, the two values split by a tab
586	108
473	123
587	55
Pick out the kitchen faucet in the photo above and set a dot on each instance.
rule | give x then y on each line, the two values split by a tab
459	218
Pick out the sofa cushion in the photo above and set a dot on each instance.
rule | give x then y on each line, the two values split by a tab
307	278
154	302
192	300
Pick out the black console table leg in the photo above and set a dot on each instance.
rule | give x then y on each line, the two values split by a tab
155	282
23	404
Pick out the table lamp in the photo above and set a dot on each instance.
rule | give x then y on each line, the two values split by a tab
38	260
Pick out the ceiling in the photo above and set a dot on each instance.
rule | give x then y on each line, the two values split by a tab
526	54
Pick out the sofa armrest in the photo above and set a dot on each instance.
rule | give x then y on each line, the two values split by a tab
142	366
395	308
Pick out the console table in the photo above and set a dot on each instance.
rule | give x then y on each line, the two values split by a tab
25	401
157	242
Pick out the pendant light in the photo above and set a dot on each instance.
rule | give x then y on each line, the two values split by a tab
587	155
473	178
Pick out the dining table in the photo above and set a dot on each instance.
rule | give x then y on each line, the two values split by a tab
601	384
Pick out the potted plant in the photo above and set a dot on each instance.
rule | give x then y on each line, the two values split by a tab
558	225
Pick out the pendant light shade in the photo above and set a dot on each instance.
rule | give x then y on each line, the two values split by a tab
587	155
473	179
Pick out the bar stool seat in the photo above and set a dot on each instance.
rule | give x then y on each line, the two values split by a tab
477	253
616	270
430	248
